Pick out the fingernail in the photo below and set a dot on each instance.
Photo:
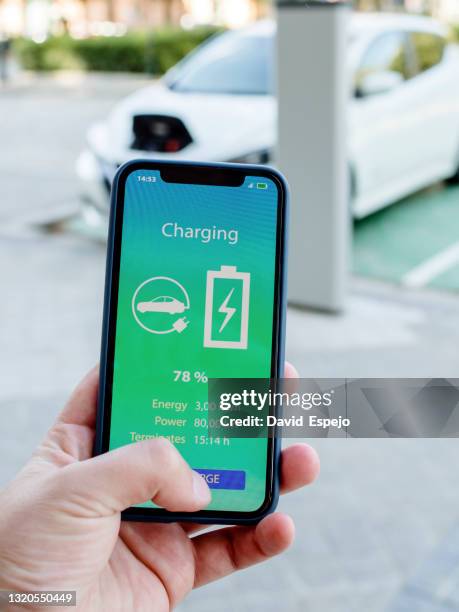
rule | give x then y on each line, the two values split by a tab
200	490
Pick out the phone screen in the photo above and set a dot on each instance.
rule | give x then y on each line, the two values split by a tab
196	299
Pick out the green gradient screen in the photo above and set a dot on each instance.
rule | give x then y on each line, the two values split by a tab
195	300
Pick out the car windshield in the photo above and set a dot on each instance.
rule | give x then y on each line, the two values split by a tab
233	63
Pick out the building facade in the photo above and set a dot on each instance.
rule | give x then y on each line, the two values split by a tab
38	18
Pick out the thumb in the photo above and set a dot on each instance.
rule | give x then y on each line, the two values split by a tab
133	474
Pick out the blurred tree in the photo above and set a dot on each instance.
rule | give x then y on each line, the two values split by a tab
23	13
110	6
216	8
365	5
262	7
427	7
86	15
170	10
379	5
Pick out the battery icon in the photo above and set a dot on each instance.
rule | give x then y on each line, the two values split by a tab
226	321
262	186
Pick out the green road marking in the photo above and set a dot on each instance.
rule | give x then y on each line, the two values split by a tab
390	243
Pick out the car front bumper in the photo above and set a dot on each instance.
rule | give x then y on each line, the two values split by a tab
95	177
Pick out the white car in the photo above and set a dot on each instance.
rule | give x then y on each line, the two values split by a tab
163	303
218	105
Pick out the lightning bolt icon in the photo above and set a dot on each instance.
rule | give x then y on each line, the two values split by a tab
224	309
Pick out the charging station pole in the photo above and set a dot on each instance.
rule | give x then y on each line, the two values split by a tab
313	93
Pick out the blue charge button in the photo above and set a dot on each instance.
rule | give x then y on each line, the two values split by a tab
224	479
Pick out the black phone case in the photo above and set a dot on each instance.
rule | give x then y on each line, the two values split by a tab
205	517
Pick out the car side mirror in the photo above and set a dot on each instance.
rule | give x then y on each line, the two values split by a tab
378	83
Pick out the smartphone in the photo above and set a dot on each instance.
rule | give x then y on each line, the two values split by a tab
195	289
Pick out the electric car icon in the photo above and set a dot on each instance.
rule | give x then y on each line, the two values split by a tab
163	303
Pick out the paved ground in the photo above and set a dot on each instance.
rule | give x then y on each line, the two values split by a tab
384	515
44	123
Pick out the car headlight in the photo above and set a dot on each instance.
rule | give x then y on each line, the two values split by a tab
257	157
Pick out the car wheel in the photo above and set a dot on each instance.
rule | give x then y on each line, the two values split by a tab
454	180
352	191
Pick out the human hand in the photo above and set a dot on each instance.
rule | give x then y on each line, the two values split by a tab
60	522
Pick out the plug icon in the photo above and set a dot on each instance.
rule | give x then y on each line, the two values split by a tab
181	324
